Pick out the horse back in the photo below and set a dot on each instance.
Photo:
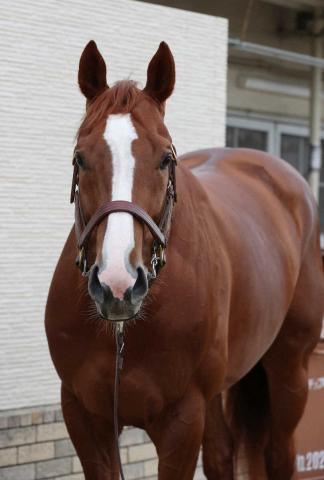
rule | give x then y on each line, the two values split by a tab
254	183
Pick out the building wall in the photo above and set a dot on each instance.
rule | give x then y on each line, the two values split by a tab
268	24
40	110
281	94
284	102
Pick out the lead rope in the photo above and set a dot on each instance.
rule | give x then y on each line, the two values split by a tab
119	335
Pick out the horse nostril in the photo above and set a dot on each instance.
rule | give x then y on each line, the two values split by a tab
95	288
99	291
140	287
107	293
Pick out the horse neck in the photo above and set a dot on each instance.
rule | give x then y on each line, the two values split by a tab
191	210
186	246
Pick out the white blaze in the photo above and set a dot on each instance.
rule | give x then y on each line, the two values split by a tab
115	269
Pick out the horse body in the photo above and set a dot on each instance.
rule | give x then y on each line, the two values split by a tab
269	222
267	218
242	290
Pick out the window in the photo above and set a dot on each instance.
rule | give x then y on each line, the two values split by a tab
246	138
295	150
247	133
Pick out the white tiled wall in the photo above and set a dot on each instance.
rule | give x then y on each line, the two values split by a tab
40	108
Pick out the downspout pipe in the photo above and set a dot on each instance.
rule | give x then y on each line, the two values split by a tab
315	162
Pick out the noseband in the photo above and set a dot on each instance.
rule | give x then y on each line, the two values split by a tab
160	232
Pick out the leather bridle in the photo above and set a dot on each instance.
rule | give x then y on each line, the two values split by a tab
160	232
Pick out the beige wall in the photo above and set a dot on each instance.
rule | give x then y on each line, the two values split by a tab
275	104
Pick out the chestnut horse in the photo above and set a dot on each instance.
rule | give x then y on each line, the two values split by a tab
237	307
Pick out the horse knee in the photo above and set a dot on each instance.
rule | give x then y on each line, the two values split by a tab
218	447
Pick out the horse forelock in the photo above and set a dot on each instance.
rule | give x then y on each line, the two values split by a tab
120	98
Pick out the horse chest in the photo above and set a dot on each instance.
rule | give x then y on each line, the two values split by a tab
148	383
140	397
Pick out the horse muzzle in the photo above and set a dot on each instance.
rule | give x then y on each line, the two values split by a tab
117	309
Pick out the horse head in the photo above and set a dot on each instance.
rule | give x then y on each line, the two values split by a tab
122	180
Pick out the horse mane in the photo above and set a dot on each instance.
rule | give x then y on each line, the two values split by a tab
120	98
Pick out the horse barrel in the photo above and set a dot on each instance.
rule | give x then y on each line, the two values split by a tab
310	431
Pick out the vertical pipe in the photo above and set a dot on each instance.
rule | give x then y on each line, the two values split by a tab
246	19
315	110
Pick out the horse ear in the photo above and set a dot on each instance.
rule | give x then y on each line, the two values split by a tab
92	72
161	74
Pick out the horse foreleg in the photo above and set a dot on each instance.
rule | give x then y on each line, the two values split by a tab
93	439
218	447
177	435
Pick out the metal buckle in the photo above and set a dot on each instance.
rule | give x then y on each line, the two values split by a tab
79	258
157	260
161	257
170	189
154	263
81	262
85	271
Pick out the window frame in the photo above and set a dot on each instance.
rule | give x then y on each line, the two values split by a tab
254	124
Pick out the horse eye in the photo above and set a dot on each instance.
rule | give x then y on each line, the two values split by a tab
79	159
165	161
